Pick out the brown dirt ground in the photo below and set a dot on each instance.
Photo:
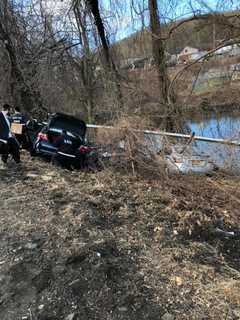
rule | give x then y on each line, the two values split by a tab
77	245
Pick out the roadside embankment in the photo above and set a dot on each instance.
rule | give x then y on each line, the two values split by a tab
77	245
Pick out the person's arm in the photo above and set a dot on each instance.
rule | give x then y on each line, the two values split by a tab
10	119
24	121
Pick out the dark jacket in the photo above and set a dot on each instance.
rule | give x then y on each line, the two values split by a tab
18	117
4	127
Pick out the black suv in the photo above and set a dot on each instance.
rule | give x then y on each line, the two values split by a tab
74	130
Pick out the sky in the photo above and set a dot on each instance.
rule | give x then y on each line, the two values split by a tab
172	10
127	21
121	20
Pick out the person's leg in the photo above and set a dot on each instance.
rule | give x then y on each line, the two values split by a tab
4	150
4	158
14	149
25	140
28	141
19	139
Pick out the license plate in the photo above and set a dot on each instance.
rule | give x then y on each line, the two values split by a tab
197	162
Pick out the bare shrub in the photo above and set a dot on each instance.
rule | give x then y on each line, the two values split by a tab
128	148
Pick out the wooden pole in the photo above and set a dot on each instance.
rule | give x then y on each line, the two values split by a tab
174	135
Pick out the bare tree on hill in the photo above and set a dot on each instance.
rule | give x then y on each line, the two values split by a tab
109	63
158	49
11	37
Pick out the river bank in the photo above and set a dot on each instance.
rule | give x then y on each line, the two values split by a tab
110	246
207	110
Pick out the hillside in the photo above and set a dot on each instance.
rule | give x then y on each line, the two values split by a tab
212	83
201	33
200	90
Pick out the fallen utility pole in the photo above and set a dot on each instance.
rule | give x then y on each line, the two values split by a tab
174	135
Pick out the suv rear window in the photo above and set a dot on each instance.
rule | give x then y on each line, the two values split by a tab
73	125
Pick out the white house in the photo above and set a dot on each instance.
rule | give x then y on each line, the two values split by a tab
186	54
189	54
235	50
231	50
224	50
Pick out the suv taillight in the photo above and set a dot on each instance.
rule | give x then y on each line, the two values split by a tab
42	136
84	149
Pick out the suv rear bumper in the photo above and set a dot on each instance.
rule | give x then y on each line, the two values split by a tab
45	149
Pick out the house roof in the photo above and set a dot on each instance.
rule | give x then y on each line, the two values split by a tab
189	50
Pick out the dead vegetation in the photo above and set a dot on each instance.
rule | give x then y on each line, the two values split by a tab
215	98
130	150
112	246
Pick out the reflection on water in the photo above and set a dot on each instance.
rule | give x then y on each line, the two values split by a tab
226	127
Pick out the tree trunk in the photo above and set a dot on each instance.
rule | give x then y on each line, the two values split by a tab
94	8
158	49
22	94
85	68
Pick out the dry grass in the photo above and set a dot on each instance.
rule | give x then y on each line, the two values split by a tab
116	246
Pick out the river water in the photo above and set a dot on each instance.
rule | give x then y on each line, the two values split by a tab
224	127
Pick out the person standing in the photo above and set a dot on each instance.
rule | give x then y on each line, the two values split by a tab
18	117
23	138
6	135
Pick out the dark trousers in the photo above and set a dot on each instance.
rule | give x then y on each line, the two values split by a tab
13	149
24	140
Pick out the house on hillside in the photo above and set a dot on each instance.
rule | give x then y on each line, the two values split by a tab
230	50
189	54
186	54
223	50
145	62
133	63
235	50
